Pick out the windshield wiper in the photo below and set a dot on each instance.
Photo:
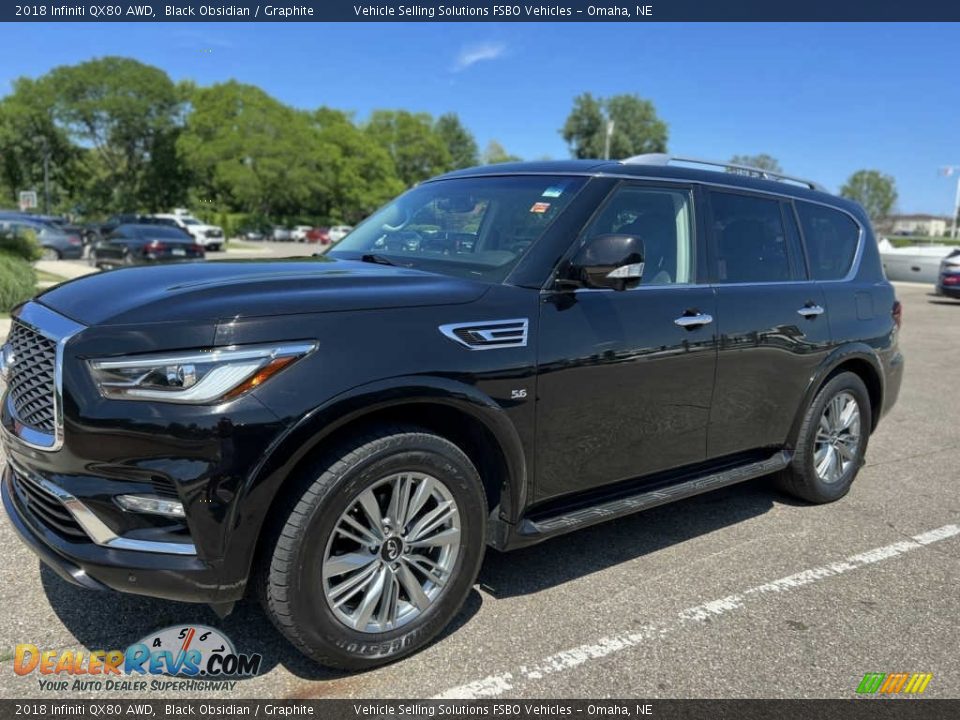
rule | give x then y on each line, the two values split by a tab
378	259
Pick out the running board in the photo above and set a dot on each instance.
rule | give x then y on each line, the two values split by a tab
533	531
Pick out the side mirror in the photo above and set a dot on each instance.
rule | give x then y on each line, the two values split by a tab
609	262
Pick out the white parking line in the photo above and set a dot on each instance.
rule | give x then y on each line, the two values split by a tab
495	685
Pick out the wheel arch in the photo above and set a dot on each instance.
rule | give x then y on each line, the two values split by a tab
857	358
456	411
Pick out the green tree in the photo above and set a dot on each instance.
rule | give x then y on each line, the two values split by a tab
246	151
875	191
125	115
460	143
636	127
495	153
27	131
409	138
761	162
359	175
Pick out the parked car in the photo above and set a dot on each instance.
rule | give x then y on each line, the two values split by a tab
344	435
339	232
318	235
299	233
948	280
56	243
210	236
142	244
252	234
281	234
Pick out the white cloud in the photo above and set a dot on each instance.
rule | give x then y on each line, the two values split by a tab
472	54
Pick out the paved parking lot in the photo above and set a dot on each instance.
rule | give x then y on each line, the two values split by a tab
738	593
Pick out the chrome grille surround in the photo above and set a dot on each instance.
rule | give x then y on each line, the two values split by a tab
34	356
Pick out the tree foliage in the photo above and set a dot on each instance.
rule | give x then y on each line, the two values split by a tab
27	131
495	153
761	162
460	143
636	127
124	115
409	138
875	191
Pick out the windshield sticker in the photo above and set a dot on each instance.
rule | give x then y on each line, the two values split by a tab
540	207
553	191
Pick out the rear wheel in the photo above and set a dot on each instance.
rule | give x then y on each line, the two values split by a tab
380	550
832	441
50	253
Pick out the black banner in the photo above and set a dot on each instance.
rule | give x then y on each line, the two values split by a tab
483	11
854	709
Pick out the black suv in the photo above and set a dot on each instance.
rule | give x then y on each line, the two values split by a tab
499	356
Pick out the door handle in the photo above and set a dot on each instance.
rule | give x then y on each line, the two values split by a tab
811	311
691	322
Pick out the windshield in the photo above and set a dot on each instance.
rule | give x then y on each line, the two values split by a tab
190	221
472	227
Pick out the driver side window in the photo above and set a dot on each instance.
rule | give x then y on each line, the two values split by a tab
662	220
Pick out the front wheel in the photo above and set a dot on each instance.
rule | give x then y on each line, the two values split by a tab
832	441
380	551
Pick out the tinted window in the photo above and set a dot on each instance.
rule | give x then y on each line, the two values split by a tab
749	240
661	218
831	239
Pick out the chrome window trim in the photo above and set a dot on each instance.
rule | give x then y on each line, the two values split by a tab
94	527
59	329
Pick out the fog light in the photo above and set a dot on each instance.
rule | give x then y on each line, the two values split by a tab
150	504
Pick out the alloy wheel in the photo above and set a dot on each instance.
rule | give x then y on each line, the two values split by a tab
391	552
837	443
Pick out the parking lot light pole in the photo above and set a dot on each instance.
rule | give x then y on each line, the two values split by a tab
947	171
42	139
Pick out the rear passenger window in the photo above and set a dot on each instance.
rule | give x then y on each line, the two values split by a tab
831	239
749	239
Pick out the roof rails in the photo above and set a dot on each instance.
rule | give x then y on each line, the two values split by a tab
663	159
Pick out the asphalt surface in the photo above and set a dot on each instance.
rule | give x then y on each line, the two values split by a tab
737	593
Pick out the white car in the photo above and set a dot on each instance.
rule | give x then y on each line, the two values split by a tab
339	232
210	236
299	233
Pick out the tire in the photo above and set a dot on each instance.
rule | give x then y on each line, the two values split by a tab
812	476
298	588
50	253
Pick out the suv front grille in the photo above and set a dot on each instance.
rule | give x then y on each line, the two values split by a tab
47	508
32	379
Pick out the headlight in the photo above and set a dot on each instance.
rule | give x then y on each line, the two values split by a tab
196	377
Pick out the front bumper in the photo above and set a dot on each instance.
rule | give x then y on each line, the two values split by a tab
100	567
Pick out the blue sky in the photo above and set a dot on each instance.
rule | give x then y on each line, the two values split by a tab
824	99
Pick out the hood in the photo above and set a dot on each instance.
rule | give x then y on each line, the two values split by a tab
248	288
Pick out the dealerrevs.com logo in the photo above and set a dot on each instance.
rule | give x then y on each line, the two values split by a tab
194	653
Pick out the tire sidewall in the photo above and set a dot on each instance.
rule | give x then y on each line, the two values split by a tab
315	620
845	382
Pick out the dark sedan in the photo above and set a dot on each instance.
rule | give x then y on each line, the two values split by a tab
142	244
56	243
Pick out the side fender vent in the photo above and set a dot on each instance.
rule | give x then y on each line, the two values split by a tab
491	335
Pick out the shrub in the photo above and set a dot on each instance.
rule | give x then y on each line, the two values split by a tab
22	245
18	281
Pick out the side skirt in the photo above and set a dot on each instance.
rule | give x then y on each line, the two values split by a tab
531	531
